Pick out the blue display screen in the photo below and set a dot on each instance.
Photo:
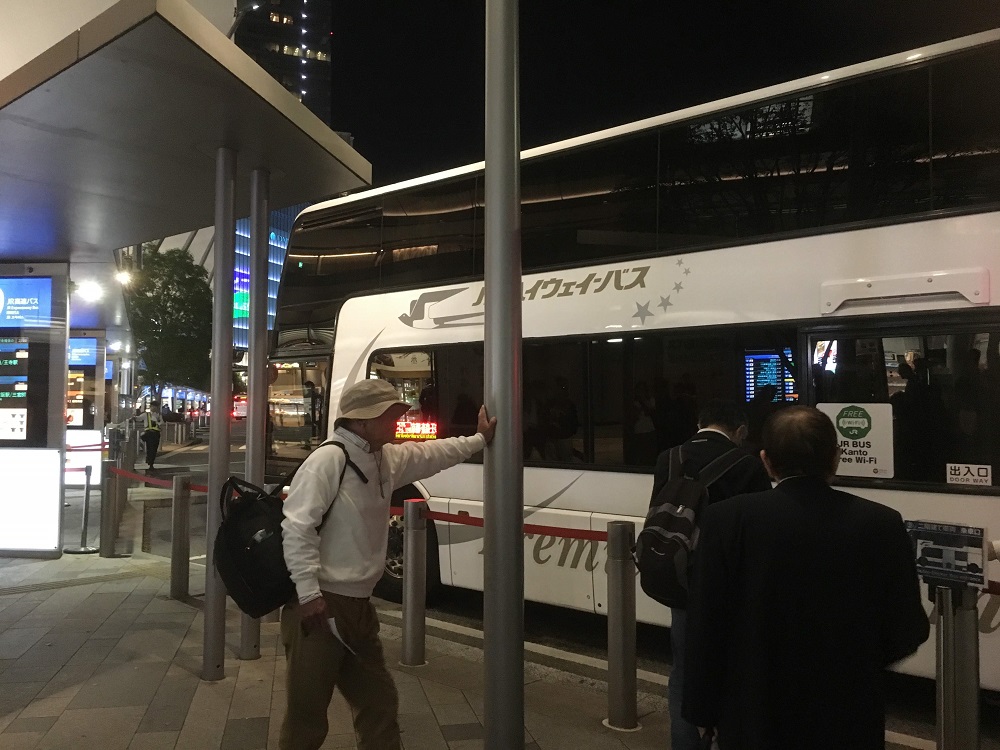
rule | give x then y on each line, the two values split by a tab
82	352
25	302
765	375
109	369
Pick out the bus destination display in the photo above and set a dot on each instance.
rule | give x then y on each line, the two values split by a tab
25	302
13	388
765	369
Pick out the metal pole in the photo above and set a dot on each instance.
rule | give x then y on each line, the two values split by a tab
180	537
109	489
414	582
83	549
967	671
622	685
256	420
945	668
214	641
503	606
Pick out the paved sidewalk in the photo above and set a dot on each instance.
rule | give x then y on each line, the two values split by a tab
93	654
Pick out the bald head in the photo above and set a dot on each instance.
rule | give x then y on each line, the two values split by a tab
800	441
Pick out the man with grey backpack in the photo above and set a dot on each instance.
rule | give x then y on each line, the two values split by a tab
714	460
330	633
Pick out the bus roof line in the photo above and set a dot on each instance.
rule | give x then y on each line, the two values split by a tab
810	82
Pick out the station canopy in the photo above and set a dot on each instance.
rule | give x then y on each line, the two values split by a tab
109	138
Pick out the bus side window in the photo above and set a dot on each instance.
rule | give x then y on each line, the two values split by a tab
944	389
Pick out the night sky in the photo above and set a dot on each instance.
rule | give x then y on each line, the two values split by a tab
409	77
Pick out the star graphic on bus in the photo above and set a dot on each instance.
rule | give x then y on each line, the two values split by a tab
678	286
642	312
680	261
665	303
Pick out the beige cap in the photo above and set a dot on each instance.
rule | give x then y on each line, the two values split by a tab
369	399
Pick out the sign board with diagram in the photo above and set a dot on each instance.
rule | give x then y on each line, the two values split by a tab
949	553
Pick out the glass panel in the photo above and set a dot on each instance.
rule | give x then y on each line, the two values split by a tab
966	134
944	390
555	396
592	203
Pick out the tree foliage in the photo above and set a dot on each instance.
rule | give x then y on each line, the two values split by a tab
170	310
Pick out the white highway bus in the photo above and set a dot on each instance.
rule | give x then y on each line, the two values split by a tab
833	241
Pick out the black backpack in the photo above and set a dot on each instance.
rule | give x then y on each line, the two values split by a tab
248	551
670	534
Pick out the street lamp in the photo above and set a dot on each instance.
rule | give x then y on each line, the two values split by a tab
242	8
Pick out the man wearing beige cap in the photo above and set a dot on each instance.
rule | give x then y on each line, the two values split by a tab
334	537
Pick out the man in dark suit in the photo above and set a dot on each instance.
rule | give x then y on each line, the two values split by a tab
722	427
801	596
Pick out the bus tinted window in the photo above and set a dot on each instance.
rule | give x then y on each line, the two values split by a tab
594	202
966	137
554	401
944	389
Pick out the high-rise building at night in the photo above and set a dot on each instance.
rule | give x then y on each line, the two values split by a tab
290	39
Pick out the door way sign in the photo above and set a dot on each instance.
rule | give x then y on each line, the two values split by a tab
949	553
864	434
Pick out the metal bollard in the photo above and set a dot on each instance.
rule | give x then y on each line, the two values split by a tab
249	637
180	537
957	668
109	493
414	582
622	683
84	549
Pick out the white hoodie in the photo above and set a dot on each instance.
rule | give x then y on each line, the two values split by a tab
347	556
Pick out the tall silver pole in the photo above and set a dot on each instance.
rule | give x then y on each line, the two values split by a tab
503	607
214	642
256	420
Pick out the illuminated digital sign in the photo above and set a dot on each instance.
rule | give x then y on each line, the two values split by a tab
765	374
25	302
82	352
406	430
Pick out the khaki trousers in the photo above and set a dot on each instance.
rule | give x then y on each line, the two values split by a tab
319	662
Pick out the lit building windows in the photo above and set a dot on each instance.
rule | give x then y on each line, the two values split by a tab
287	20
322	56
275	17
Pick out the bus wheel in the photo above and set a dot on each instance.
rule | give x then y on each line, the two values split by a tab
390	586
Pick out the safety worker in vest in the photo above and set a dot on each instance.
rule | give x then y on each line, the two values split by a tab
151	433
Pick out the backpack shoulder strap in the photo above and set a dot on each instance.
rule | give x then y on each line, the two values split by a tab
676	463
349	462
714	470
343	471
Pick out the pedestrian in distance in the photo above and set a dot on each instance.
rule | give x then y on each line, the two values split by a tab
722	428
330	633
801	597
152	421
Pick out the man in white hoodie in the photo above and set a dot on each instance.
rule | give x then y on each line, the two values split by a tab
334	538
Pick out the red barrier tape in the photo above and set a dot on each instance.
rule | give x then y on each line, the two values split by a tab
86	447
75	468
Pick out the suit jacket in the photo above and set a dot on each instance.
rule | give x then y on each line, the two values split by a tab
699	451
800	597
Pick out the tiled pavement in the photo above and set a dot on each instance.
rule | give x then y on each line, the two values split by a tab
93	654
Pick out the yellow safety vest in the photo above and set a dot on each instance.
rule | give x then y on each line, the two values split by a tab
151	424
